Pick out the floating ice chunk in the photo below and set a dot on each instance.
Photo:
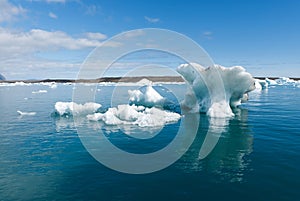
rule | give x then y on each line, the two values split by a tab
53	86
150	98
264	84
284	81
135	115
21	84
26	113
39	92
257	85
70	108
287	81
5	84
205	95
271	82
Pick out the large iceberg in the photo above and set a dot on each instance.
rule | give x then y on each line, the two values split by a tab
205	94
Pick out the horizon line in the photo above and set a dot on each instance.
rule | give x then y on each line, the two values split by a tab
119	79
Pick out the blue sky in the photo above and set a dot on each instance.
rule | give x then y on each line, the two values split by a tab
51	38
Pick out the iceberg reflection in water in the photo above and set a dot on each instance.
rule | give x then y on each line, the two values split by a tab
224	145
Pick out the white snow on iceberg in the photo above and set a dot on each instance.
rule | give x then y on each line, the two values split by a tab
135	115
206	95
149	99
143	115
70	108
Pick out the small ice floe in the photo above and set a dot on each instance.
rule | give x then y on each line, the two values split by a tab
271	82
4	84
285	81
260	85
264	84
53	86
70	108
39	92
26	113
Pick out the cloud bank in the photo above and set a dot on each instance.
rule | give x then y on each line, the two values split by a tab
20	50
9	12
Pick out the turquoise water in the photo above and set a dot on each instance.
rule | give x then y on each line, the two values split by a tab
256	157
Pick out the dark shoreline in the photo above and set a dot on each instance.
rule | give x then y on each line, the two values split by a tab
117	79
274	78
105	79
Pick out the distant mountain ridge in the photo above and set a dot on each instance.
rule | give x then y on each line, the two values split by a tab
117	79
105	79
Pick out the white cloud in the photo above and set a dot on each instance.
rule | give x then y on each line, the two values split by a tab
208	34
23	54
152	20
8	11
52	15
95	36
37	40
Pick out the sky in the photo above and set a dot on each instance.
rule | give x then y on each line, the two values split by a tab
51	38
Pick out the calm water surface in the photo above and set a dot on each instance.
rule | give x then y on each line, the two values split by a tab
256	157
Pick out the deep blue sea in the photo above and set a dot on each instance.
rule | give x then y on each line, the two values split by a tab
256	157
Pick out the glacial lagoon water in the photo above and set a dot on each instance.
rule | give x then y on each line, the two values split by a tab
42	157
